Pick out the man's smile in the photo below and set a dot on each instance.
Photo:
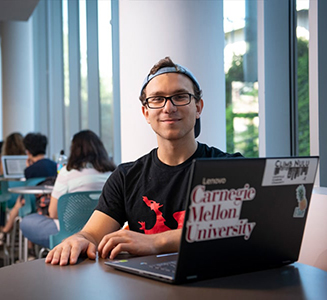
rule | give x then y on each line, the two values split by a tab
170	120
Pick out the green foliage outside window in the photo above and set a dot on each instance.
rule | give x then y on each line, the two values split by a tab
247	143
303	97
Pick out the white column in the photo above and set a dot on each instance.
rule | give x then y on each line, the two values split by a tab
191	33
17	77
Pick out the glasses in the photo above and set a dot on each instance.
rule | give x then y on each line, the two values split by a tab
177	100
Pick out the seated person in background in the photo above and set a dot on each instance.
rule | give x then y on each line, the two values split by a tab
87	169
37	165
155	184
13	145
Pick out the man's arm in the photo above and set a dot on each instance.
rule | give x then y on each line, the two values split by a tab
84	242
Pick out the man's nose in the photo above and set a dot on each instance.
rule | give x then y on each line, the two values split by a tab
169	106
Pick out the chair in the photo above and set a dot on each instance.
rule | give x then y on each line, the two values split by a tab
7	200
7	197
74	210
28	208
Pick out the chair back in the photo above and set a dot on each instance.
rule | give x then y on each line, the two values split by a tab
74	210
30	206
5	195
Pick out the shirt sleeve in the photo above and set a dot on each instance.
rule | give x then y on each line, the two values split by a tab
111	201
61	184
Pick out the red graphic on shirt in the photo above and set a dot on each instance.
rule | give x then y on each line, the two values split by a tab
160	226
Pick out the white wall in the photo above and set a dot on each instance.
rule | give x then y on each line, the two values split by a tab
191	33
17	77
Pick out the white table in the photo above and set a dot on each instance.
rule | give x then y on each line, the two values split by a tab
37	189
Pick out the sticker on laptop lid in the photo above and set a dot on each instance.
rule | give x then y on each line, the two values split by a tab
302	201
288	171
215	214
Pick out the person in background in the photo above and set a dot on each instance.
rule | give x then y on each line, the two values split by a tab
149	193
37	165
13	145
87	169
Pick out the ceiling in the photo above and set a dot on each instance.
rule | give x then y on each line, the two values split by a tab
16	10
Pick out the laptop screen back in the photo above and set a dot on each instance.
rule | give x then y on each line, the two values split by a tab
245	215
14	165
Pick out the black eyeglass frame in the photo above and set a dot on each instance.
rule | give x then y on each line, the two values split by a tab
171	100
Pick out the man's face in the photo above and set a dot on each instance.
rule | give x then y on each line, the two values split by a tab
172	122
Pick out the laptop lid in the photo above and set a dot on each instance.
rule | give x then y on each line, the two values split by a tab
242	215
14	166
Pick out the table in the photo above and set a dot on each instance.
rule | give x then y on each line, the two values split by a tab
37	189
93	280
12	179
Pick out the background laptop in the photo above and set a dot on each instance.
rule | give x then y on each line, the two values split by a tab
14	166
242	215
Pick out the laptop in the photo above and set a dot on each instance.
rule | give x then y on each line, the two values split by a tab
242	215
14	166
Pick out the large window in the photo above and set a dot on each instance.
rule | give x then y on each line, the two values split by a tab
105	73
76	35
240	26
242	114
83	62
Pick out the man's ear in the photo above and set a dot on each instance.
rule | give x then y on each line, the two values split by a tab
199	108
145	113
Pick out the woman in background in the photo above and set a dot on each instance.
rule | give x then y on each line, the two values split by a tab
87	169
37	165
13	145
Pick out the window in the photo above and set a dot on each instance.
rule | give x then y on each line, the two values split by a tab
240	26
83	62
75	68
105	74
302	33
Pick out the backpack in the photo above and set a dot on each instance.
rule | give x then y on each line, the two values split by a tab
42	201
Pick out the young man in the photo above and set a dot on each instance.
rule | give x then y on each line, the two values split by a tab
149	193
37	164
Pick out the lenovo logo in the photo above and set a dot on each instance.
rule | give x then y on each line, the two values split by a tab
209	181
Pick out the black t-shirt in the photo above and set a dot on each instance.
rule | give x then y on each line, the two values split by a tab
149	194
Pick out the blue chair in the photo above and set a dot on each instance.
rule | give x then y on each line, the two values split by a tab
74	210
7	197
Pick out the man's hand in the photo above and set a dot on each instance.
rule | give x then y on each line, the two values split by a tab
70	249
138	243
83	242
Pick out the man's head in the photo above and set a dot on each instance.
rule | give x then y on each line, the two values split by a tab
167	66
35	143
